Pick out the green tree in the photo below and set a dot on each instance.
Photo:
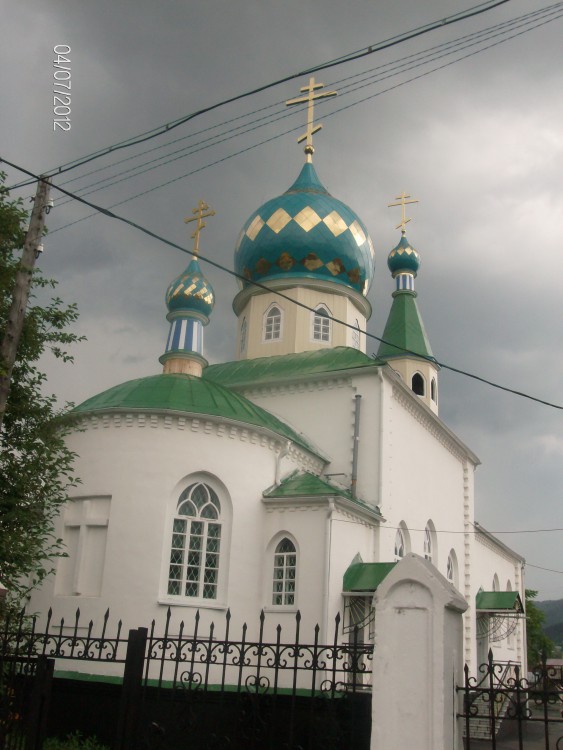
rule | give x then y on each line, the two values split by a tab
537	641
36	467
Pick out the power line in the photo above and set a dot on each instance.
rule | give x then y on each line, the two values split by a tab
257	284
350	57
404	63
216	140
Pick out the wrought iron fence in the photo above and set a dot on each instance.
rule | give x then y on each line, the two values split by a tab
526	706
276	690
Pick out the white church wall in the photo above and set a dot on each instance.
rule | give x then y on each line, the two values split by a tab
140	478
423	482
324	409
494	568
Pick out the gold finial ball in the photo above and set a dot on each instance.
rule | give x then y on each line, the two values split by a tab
309	149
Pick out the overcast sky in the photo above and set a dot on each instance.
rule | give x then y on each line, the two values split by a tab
479	142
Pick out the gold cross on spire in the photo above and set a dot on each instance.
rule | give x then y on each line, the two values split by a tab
199	217
402	202
310	99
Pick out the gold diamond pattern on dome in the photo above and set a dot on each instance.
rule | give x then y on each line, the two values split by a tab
307	219
312	262
278	220
357	233
335	267
255	226
335	223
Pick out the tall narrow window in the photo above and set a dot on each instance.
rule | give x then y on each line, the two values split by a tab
321	324
356	335
428	544
196	544
417	384
272	324
452	569
399	545
434	390
285	568
243	329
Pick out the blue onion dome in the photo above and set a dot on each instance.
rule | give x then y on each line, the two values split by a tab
191	292
403	258
306	234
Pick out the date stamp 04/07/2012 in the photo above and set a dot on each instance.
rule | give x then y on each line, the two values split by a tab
61	87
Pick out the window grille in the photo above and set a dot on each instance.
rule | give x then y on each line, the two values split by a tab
285	569
196	544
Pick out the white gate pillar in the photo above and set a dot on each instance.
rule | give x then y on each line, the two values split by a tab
418	659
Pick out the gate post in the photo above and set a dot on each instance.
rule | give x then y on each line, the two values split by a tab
38	712
130	701
418	659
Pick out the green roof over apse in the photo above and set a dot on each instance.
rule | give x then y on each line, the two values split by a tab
365	576
288	366
404	329
498	601
190	395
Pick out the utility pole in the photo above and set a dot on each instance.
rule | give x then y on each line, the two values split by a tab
22	285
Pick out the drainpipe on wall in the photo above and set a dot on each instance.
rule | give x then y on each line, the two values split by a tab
357	399
328	545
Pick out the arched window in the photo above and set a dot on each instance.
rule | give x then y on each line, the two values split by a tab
452	569
196	544
356	335
321	324
434	390
285	570
496	583
430	551
399	545
243	331
272	324
418	385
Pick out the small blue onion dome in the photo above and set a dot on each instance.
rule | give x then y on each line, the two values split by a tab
306	233
191	292
403	258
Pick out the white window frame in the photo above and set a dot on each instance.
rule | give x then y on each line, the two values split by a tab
321	325
284	577
273	324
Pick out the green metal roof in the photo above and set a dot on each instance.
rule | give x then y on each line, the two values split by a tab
494	601
288	366
365	576
189	394
404	329
305	484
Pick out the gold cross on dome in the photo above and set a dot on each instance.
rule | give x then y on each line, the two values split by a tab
310	99
199	217
403	201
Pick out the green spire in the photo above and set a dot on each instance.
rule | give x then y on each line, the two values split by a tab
404	329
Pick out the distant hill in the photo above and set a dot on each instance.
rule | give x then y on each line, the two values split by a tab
553	624
553	611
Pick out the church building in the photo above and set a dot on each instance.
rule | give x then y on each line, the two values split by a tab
296	476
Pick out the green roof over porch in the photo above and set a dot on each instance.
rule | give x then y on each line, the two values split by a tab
498	601
365	576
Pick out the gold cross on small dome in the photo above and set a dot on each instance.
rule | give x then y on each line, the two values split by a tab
199	217
402	201
310	99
